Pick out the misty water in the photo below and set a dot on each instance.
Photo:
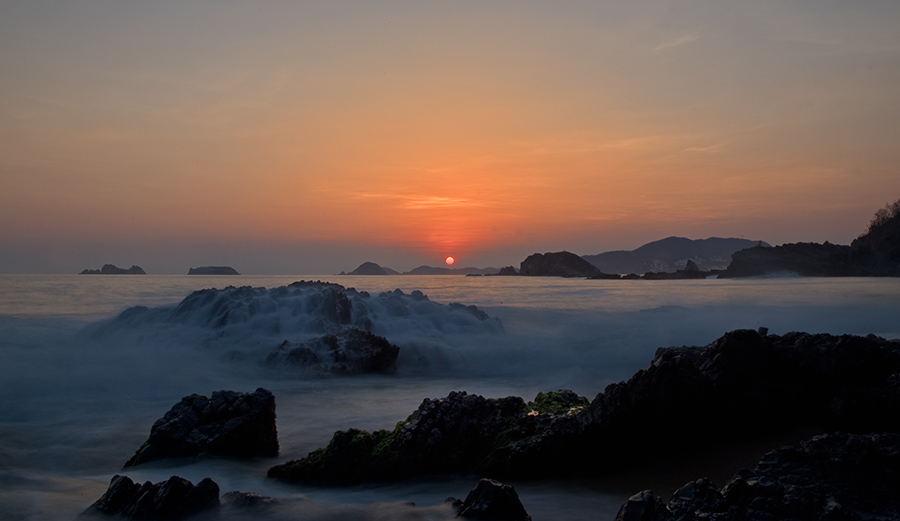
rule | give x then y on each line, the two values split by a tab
74	406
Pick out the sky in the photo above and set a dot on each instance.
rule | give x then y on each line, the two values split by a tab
310	136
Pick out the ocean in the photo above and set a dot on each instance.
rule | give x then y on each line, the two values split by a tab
80	390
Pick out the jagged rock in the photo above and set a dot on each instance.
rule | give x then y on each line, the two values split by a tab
491	500
460	433
557	264
213	270
829	477
743	385
247	500
351	351
175	498
507	271
226	424
112	269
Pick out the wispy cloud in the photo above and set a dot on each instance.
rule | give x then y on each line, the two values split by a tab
677	42
423	202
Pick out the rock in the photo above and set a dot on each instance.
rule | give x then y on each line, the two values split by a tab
213	270
508	271
805	259
491	500
175	498
461	433
557	264
237	500
348	352
836	476
111	269
226	424
740	387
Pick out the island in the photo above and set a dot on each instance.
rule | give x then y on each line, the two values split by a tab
213	270
112	269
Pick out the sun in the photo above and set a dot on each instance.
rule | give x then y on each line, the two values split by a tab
449	260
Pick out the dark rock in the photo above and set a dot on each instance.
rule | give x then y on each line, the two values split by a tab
457	434
349	352
111	269
557	264
175	498
742	386
835	476
877	252
247	500
227	424
213	270
491	500
805	259
643	506
507	271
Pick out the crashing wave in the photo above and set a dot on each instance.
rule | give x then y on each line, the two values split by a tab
246	316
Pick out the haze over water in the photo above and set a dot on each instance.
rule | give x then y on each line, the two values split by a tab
74	408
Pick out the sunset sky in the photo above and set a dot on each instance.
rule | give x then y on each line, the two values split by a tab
308	136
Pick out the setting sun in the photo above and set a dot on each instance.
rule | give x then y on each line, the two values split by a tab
449	260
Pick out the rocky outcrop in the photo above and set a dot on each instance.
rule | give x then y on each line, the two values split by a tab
805	259
175	498
226	424
557	264
348	352
112	269
745	385
213	270
877	252
491	500
690	271
508	271
460	433
836	476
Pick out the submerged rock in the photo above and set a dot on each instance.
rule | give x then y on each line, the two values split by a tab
491	500
226	424
175	498
836	476
349	352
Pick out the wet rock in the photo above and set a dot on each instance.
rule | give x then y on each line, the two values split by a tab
228	423
829	477
491	500
175	498
348	352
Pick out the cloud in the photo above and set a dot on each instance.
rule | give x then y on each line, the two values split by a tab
677	42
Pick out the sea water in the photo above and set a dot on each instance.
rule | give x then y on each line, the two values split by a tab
75	405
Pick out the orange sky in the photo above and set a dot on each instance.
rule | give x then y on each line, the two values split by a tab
309	137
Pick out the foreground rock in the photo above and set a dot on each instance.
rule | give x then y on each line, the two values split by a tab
175	498
457	434
837	476
349	352
213	270
742	386
226	424
112	269
491	500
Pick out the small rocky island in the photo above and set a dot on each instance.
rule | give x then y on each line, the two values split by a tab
213	270
112	269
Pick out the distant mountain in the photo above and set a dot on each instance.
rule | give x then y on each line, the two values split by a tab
672	254
431	270
371	268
